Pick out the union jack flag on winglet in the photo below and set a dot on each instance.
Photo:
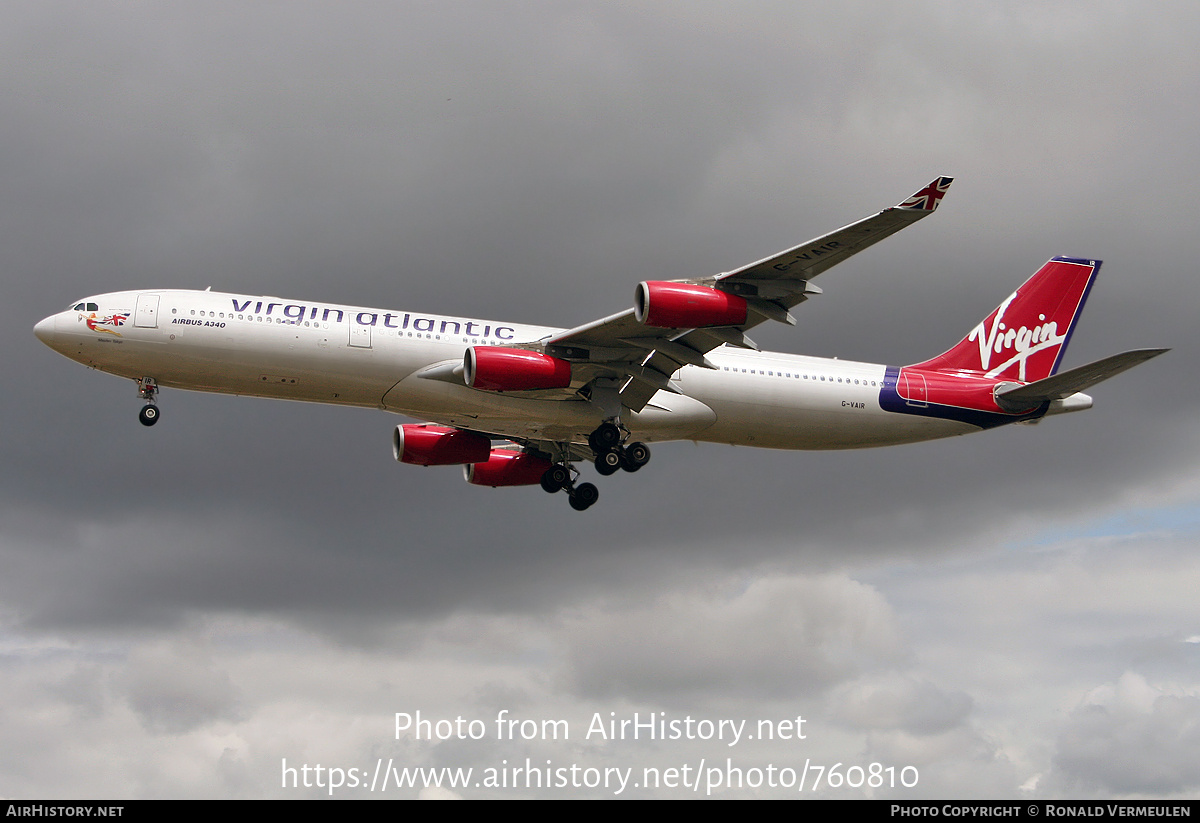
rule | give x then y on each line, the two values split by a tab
927	198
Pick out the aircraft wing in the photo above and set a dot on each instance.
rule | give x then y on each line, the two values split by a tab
641	358
806	261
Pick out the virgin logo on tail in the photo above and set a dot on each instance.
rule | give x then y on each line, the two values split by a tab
1025	337
1024	341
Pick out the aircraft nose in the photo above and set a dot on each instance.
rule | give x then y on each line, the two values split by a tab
45	329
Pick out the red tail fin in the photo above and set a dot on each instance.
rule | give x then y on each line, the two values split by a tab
1025	337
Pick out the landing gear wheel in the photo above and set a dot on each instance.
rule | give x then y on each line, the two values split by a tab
584	496
148	415
556	479
635	456
608	462
606	436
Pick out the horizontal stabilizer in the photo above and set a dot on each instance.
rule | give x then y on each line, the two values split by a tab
1064	384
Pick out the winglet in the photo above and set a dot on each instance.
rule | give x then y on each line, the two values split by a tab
927	199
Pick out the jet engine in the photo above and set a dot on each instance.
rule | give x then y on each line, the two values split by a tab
506	467
425	444
681	306
494	368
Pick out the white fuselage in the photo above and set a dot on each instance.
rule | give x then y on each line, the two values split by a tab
317	352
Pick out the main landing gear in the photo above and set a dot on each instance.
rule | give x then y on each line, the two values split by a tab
611	456
147	390
558	477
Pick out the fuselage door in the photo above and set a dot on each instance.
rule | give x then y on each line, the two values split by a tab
146	315
360	336
913	389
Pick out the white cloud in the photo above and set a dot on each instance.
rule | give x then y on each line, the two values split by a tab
778	636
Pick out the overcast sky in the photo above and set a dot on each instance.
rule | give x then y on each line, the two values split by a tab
185	607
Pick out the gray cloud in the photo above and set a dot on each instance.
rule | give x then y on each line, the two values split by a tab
917	707
1130	738
175	690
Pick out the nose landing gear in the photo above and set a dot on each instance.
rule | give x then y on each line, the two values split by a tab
147	390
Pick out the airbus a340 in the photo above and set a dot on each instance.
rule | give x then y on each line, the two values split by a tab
676	366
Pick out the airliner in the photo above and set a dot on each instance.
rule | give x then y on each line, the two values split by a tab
519	405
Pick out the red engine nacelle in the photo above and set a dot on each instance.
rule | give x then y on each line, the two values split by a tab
680	306
498	369
507	468
428	445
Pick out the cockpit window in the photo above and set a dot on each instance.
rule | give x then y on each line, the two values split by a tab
85	307
77	307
